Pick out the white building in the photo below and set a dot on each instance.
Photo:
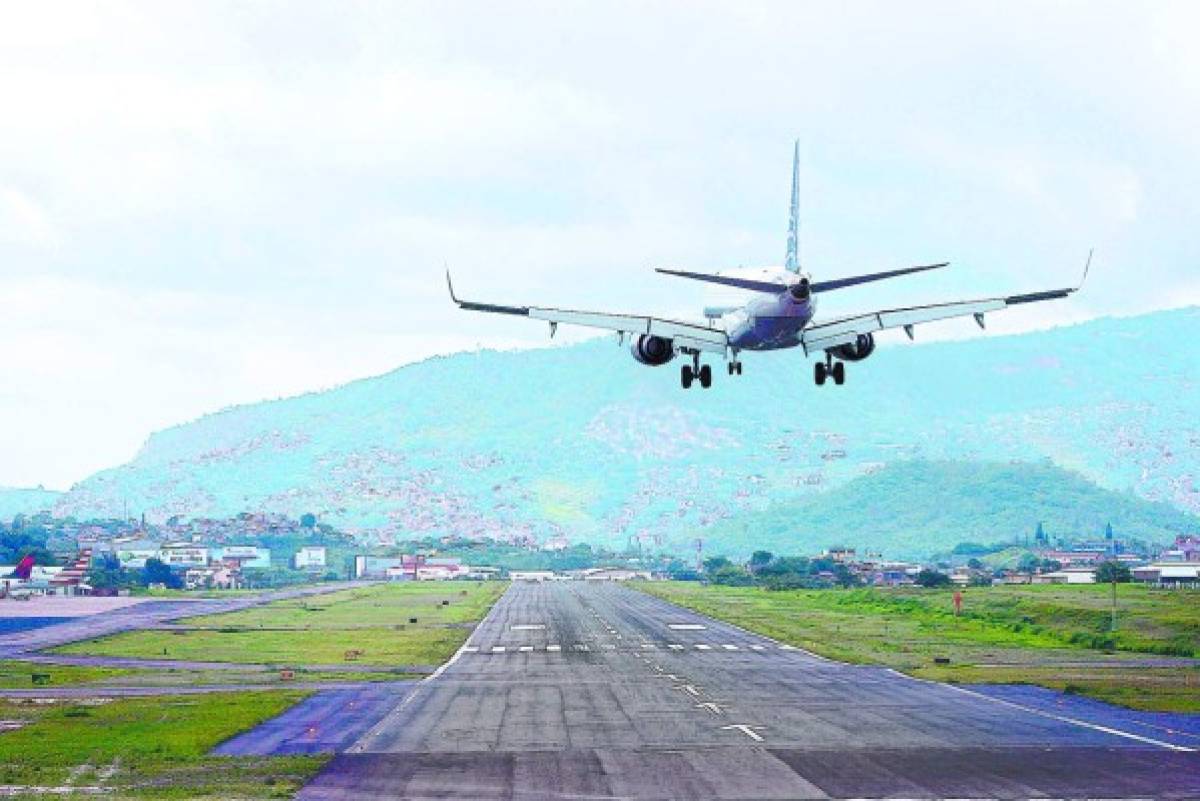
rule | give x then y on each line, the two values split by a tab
183	554
531	575
309	556
243	555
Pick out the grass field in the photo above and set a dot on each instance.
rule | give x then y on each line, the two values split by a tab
17	674
365	625
1029	634
147	747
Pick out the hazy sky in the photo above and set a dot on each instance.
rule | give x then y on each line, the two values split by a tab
213	204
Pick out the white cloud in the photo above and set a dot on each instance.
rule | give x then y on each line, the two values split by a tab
209	204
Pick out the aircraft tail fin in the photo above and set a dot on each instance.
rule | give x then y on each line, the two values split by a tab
792	261
24	569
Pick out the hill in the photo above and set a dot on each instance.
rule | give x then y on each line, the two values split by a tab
917	508
19	501
585	442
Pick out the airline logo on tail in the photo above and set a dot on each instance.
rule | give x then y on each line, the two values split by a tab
24	569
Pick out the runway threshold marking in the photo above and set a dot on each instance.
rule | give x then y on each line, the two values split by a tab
553	647
529	627
1063	718
702	647
525	648
746	730
710	707
470	649
728	647
686	626
689	689
675	646
498	649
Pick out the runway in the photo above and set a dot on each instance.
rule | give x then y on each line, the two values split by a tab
592	690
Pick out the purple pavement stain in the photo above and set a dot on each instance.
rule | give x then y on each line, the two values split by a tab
11	625
1176	728
325	723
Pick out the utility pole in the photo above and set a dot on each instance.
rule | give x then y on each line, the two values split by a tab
1112	574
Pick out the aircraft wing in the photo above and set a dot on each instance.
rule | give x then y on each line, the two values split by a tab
847	330
684	335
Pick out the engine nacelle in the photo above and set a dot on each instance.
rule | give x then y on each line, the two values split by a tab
652	350
855	351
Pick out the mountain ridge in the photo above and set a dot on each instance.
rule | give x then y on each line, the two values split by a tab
582	441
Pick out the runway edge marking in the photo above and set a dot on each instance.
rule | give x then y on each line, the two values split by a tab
1062	718
360	744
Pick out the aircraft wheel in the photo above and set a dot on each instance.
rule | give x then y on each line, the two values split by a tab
732	367
739	368
706	376
819	373
685	376
839	373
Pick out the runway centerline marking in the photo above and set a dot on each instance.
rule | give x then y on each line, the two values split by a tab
525	648
528	627
686	626
498	649
553	647
728	647
702	647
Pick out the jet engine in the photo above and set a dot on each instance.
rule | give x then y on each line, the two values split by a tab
801	290
857	350
652	350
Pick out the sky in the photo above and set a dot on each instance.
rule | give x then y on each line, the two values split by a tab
216	203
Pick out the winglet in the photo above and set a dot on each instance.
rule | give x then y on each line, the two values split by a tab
1086	268
450	285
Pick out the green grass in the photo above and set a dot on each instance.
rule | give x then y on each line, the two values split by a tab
18	675
373	621
1005	633
149	747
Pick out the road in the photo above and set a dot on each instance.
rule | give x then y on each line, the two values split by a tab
586	690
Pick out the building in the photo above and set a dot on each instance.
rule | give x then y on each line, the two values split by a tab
1068	575
392	568
310	556
612	574
531	575
1169	574
243	556
218	577
183	555
133	553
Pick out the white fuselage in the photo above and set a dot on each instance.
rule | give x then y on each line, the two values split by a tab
768	320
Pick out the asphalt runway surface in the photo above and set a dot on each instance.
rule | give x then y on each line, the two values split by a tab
591	690
148	614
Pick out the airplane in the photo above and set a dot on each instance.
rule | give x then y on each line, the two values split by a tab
779	315
19	582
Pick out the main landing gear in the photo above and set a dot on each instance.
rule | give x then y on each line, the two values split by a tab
822	370
693	371
735	367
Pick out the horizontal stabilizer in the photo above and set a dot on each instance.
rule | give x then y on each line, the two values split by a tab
854	280
727	280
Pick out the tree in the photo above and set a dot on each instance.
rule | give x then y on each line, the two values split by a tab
1028	563
715	563
731	575
933	578
1113	572
974	564
157	572
759	560
308	520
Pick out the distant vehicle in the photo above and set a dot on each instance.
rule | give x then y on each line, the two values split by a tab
779	315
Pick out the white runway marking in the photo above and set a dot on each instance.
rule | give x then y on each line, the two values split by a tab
686	626
786	647
525	648
580	647
675	646
758	647
470	649
553	647
746	730
702	647
711	707
529	627
1063	718
728	647
498	649
690	690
